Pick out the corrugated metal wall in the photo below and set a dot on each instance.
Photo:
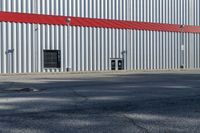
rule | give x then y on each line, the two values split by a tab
89	49
83	49
164	11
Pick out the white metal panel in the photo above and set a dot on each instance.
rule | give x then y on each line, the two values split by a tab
165	11
89	49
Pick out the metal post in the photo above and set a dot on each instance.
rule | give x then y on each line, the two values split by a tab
10	60
182	48
68	38
36	47
123	59
35	40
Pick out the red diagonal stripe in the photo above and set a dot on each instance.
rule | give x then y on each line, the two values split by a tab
92	22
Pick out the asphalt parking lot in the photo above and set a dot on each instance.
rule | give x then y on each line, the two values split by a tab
167	102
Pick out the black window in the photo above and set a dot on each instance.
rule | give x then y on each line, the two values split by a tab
120	65
113	64
52	59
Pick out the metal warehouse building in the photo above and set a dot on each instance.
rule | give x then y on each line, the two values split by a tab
98	35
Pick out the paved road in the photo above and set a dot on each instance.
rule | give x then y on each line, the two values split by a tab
101	103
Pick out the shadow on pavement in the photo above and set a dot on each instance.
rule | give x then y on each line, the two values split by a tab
117	103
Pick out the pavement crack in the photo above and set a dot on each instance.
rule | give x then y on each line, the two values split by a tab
136	124
10	85
85	98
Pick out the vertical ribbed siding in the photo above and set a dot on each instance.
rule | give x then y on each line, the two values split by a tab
163	11
110	9
90	49
87	50
17	36
197	51
154	50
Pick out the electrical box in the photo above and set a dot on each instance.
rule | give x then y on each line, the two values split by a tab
117	64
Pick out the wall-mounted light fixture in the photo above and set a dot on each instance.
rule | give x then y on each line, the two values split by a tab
68	21
182	26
